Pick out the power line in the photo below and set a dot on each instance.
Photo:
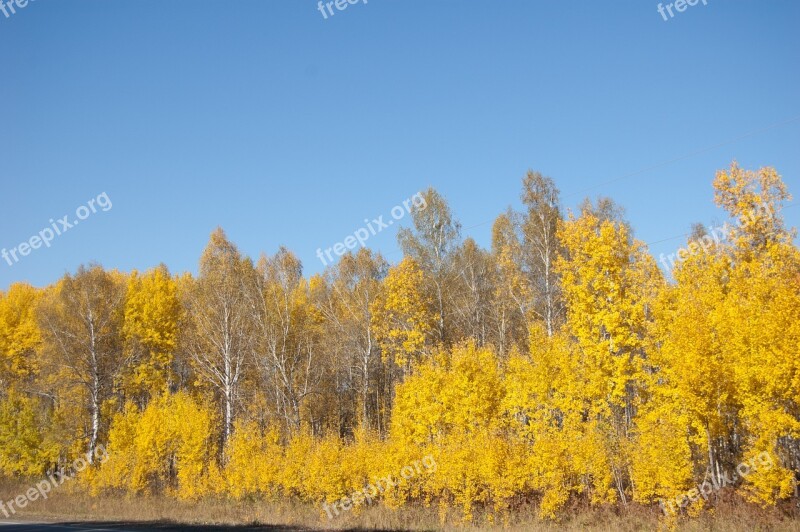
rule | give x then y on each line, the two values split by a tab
687	234
671	161
690	154
660	165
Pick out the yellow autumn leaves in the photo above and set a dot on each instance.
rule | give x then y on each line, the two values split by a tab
561	365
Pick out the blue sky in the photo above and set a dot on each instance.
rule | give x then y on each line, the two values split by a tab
285	128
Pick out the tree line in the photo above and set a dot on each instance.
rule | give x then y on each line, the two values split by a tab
561	364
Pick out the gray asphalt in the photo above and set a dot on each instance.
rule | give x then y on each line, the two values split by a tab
22	526
101	526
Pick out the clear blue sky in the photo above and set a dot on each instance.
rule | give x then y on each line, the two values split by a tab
289	129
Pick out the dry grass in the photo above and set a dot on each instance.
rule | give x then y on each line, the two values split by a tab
66	504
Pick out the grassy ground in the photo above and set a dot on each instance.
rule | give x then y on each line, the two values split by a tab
64	505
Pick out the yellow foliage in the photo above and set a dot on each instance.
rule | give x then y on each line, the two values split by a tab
648	390
19	334
170	446
25	448
402	317
254	461
152	314
455	392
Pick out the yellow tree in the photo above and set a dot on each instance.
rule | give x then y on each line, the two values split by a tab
691	415
609	284
286	336
545	410
450	407
152	319
19	335
81	321
402	317
219	335
170	446
25	444
761	325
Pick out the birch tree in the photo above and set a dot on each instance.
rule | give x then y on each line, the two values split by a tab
219	338
81	322
432	244
540	248
350	290
287	335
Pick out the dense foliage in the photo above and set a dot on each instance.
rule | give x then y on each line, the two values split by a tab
561	365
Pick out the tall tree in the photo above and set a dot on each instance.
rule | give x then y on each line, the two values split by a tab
152	319
541	247
432	244
81	321
403	318
512	291
19	335
760	326
287	336
693	394
610	284
473	293
350	290
219	337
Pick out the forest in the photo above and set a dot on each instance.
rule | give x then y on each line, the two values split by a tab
563	366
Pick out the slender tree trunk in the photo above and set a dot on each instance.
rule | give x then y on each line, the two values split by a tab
95	418
228	411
